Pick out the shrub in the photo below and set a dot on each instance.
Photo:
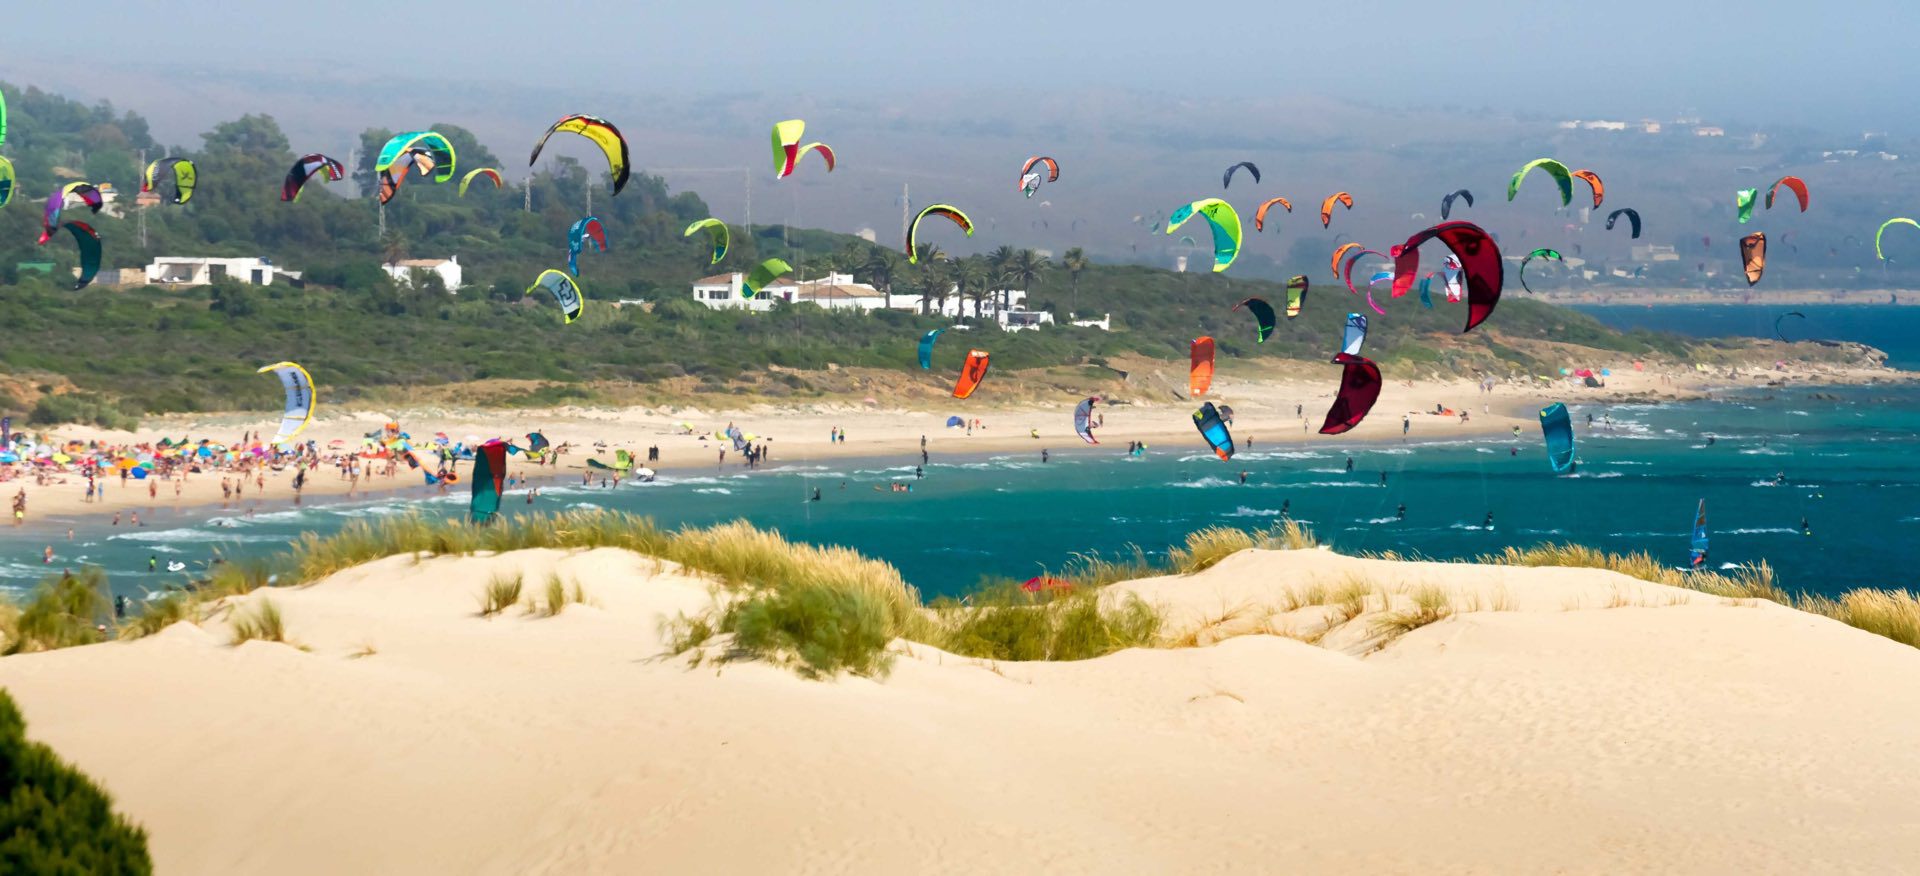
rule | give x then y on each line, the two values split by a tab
820	630
63	612
53	819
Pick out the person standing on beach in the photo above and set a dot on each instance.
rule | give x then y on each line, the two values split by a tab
1406	423
923	456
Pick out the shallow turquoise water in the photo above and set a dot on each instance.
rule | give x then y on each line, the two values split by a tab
1895	329
1849	462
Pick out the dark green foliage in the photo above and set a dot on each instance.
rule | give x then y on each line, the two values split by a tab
55	820
154	350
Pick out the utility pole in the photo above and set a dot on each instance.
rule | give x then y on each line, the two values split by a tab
526	205
906	208
589	197
142	210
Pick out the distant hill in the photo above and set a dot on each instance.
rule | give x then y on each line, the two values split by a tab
150	350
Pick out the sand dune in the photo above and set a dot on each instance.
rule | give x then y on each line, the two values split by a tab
1592	724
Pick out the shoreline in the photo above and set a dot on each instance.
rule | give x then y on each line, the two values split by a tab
796	434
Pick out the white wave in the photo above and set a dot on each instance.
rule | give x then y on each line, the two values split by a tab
723	491
1596	475
192	536
1764	530
1763	451
588	505
1379	520
1206	482
1244	511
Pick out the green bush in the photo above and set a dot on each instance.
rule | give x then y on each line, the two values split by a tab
53	819
62	612
821	630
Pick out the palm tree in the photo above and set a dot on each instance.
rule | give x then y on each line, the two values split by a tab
1074	261
970	278
853	255
930	262
1025	270
997	263
879	267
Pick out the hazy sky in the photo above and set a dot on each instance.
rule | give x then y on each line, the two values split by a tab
1846	64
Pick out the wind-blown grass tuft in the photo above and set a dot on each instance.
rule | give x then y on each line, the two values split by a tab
502	593
262	622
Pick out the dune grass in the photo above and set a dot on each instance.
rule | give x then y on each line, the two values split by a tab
63	611
1005	622
502	592
1429	605
262	622
827	610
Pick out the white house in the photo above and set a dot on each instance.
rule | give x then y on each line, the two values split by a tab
833	292
839	292
448	269
178	271
722	292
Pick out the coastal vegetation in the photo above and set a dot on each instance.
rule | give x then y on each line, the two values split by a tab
826	610
53	818
110	353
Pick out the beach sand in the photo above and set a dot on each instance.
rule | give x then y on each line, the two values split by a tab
797	433
1564	721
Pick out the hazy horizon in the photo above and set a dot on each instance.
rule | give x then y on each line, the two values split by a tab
1745	62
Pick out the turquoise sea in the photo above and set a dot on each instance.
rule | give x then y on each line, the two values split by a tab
1893	328
1848	461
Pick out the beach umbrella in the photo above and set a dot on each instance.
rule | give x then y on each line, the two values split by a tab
955	422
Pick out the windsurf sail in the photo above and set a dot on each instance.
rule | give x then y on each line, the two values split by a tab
1207	420
1083	419
1699	547
971	373
1557	426
489	480
1200	369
